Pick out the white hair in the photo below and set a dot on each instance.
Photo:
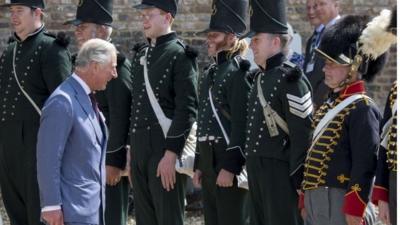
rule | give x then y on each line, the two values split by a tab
95	50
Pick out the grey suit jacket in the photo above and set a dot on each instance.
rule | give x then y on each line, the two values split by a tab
71	155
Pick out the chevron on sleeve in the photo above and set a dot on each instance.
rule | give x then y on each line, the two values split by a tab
300	106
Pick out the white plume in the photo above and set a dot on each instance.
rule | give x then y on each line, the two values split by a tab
375	39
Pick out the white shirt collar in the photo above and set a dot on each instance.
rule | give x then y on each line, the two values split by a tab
82	83
319	28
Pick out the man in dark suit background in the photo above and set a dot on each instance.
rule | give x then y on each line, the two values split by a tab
71	150
321	14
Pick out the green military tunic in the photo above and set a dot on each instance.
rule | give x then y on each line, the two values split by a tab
42	62
172	72
274	163
229	90
115	102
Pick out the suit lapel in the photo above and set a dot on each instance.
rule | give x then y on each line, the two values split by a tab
86	105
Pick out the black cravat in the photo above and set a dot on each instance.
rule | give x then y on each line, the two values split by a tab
95	105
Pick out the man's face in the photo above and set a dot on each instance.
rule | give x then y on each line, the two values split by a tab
154	22
22	19
103	73
262	46
84	32
326	10
311	13
335	73
215	42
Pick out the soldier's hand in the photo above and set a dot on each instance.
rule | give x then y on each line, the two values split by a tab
54	217
166	170
113	175
225	178
384	212
303	213
197	179
353	220
127	170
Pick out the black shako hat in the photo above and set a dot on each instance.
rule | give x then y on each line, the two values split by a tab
93	11
228	16
30	3
170	6
267	16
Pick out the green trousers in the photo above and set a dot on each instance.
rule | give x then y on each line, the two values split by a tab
273	197
153	204
19	187
117	203
222	206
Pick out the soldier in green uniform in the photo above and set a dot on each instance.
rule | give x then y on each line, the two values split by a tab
223	93
31	67
341	161
93	20
278	121
164	108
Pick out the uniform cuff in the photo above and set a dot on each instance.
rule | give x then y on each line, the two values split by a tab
380	194
233	160
175	144
117	158
353	204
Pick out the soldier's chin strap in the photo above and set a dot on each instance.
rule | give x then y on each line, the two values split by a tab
353	71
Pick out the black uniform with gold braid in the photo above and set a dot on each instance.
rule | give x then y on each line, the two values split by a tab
342	160
114	102
385	187
172	73
41	62
385	181
226	81
275	156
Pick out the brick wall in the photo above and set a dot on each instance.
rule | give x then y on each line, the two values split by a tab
193	16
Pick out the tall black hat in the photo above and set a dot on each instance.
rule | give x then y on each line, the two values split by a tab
30	3
268	16
228	16
93	11
170	6
351	41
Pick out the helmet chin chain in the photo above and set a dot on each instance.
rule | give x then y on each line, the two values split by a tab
353	70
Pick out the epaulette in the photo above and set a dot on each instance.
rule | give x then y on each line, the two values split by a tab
252	74
138	47
61	38
291	70
11	39
242	63
189	51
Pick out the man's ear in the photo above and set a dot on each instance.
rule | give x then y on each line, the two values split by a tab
169	18
101	31
37	12
276	41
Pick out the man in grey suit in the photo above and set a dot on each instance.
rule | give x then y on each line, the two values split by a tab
72	140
